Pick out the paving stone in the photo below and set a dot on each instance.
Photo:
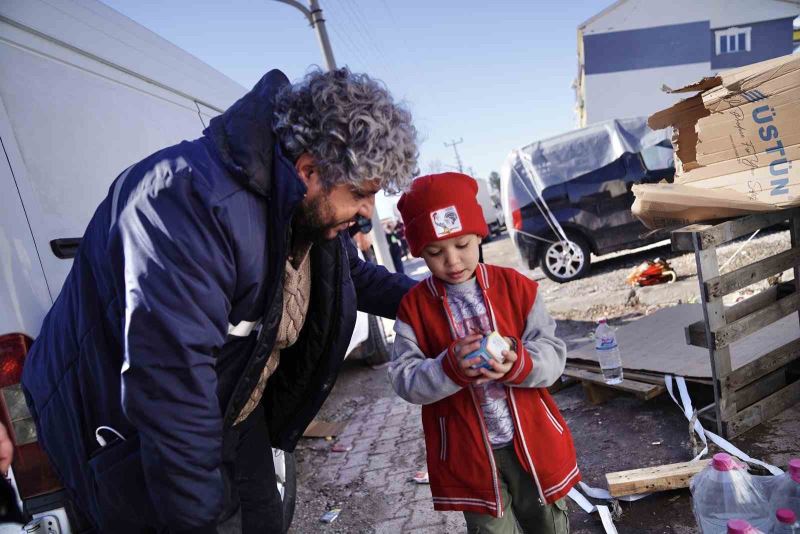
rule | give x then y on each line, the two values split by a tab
393	526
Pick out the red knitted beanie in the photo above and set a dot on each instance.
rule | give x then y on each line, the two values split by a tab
441	206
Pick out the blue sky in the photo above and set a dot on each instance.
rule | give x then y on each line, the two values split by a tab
495	73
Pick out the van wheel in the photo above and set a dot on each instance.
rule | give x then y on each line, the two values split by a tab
376	349
563	261
286	477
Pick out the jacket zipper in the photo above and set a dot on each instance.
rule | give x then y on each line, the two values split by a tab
484	432
513	406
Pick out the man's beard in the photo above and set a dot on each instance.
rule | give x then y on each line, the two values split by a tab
311	220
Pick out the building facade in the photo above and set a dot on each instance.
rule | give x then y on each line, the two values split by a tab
628	52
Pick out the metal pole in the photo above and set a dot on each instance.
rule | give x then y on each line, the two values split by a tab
322	34
317	21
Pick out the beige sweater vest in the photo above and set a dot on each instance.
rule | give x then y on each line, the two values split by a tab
296	295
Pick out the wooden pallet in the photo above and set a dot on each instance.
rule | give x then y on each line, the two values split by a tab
597	391
750	394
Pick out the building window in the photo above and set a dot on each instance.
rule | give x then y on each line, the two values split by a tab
732	40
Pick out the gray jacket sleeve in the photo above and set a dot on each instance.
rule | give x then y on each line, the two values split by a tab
548	352
417	379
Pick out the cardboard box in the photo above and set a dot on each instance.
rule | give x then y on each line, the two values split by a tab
737	147
670	206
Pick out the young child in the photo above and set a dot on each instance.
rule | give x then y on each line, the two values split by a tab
497	446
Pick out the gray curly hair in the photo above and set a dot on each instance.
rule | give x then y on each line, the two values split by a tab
351	126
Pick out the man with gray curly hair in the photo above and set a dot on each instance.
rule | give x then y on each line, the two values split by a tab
210	306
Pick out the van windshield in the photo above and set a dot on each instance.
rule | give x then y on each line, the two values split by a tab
659	157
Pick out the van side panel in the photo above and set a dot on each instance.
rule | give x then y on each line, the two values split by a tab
78	123
24	298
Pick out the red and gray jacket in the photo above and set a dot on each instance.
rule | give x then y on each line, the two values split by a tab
463	475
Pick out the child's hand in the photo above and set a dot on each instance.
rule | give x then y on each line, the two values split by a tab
463	347
498	370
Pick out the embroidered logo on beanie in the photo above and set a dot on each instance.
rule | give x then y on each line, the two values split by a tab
446	221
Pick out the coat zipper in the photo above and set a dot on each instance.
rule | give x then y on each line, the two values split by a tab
513	406
484	432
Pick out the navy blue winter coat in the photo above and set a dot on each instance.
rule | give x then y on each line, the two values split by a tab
169	314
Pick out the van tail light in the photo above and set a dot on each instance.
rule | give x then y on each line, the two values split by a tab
516	214
32	471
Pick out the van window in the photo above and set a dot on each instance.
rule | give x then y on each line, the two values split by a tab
658	158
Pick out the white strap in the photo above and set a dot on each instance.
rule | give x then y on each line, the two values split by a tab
605	517
721	442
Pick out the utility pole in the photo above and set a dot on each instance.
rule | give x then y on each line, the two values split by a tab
313	14
455	149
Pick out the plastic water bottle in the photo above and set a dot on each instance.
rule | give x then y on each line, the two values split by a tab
785	522
786	493
740	526
607	350
725	490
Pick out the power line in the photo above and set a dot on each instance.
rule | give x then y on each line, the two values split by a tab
455	149
362	31
366	26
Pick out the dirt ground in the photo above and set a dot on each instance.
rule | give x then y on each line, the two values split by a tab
622	433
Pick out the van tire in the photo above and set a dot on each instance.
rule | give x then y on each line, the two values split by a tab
376	348
562	263
289	483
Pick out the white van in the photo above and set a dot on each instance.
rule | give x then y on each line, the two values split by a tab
84	92
492	211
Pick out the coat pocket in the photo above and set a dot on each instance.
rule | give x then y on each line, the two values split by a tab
443	438
120	482
551	417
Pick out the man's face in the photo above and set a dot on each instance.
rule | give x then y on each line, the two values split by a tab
453	260
326	212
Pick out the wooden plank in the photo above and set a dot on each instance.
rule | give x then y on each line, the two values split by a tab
762	410
652	479
750	274
736	330
640	389
639	375
562	383
596	394
696	335
683	239
759	389
710	236
714	319
763	365
324	429
751	304
794	235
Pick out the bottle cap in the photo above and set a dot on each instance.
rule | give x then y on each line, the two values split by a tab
723	462
794	469
785	516
602	321
739	526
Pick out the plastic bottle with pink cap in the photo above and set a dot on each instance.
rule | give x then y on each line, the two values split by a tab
740	526
785	522
786	492
723	491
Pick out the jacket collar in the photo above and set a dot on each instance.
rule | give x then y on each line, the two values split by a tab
243	135
438	289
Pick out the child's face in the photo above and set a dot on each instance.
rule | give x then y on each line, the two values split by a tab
453	260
